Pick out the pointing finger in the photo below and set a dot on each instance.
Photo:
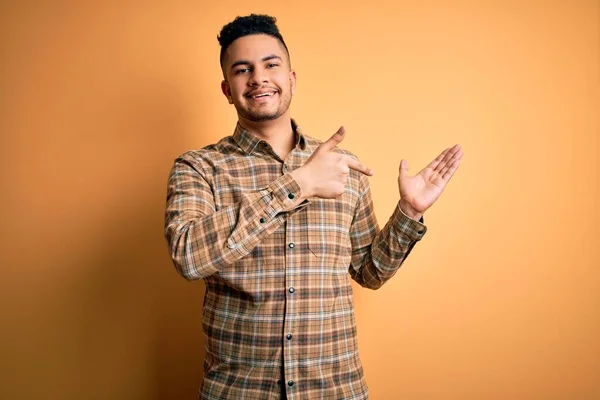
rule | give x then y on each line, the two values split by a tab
358	166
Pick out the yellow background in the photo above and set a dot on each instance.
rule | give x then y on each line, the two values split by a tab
499	301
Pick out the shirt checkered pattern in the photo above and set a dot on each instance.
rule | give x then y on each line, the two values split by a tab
278	312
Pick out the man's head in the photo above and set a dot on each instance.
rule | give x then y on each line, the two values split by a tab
258	79
253	24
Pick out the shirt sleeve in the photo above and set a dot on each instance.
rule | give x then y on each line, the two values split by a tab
378	254
201	239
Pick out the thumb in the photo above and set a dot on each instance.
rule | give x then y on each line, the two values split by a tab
403	168
333	140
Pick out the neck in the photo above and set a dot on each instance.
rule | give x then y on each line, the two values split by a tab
278	133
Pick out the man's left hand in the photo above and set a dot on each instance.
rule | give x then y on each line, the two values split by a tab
419	192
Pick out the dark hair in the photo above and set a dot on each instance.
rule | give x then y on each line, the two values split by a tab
253	24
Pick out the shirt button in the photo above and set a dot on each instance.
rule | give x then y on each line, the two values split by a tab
291	196
291	245
289	336
290	383
262	220
291	289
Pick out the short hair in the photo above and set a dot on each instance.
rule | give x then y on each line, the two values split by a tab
253	24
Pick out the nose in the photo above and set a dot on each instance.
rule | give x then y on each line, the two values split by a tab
258	77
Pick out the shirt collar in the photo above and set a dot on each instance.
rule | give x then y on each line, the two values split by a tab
249	143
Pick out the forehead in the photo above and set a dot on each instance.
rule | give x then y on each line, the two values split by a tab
254	48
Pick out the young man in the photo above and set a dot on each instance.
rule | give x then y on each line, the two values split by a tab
276	223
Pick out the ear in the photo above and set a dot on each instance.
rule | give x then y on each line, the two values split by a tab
226	91
293	81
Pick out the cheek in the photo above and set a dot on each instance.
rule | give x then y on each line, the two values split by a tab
284	84
234	91
238	97
236	88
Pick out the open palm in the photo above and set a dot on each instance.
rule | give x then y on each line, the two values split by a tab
423	189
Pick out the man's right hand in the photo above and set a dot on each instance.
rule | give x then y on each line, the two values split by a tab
326	172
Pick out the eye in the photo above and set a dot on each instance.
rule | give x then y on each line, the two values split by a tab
272	65
241	70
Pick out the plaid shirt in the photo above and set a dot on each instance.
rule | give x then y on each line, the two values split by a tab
278	311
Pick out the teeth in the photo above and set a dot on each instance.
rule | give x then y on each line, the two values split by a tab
262	95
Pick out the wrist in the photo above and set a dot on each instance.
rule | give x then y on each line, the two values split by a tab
409	211
303	181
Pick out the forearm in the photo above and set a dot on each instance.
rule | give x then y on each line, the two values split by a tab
376	262
202	245
203	240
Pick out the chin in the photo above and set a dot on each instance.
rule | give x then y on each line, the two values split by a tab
261	117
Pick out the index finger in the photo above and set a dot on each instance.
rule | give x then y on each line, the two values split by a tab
356	165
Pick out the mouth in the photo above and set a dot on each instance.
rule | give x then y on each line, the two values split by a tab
261	94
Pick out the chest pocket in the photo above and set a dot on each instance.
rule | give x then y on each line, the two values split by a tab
328	229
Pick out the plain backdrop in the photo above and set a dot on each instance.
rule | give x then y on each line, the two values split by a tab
499	301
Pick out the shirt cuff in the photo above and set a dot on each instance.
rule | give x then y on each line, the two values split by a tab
408	226
285	192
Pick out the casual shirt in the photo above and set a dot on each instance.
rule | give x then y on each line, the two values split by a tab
278	310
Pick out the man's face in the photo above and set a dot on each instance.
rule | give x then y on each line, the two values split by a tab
258	79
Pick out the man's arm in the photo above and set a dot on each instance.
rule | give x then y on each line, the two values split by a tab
203	240
378	254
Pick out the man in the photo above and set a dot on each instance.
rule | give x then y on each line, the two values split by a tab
276	223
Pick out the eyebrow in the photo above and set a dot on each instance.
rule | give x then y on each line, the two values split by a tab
264	59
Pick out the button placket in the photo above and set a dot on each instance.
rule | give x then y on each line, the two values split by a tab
289	349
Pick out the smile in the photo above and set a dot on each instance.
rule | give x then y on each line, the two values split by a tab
262	95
